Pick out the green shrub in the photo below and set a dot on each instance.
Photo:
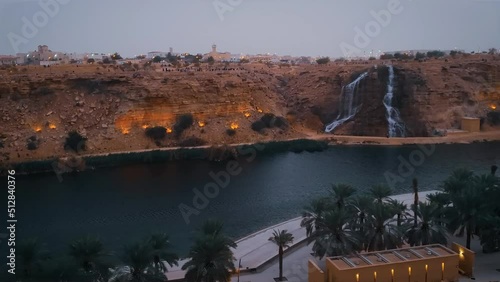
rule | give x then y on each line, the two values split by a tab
323	61
75	142
258	126
493	118
183	122
230	132
156	133
280	122
32	143
268	119
192	142
43	91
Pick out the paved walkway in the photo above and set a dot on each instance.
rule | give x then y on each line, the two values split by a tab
255	250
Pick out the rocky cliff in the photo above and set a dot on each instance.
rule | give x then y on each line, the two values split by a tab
112	106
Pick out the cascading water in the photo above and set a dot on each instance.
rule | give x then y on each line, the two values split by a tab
350	102
396	126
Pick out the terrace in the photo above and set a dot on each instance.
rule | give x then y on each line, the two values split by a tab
421	263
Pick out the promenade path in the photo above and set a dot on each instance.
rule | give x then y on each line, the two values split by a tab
255	250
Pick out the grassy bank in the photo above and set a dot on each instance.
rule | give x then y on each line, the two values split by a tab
210	153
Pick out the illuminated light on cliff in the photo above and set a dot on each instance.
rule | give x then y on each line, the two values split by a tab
125	131
201	124
169	130
259	110
145	126
52	126
38	129
234	125
247	115
493	107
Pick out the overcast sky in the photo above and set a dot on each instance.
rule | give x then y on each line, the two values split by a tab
286	27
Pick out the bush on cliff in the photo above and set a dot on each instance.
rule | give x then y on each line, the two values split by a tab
42	91
323	61
258	126
268	119
183	122
192	142
32	143
156	133
75	142
493	118
230	132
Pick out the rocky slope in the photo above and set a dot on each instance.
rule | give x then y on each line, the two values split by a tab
112	105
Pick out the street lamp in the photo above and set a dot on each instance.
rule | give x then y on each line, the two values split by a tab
239	266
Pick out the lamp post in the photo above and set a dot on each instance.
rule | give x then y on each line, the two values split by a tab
239	266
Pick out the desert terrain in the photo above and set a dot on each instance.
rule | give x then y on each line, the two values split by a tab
113	105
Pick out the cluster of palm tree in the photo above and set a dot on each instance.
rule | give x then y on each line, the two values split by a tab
211	259
87	260
345	222
211	255
469	206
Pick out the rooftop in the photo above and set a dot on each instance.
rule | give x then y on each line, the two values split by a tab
391	256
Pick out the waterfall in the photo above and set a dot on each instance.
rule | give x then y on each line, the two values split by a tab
350	102
396	126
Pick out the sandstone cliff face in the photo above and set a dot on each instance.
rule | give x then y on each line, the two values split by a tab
431	95
112	106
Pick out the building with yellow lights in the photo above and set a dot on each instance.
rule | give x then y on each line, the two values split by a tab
431	263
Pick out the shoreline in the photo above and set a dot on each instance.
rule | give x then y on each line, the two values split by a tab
312	143
257	252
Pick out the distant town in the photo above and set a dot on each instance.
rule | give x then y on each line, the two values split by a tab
46	57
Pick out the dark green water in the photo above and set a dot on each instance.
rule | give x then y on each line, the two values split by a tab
123	204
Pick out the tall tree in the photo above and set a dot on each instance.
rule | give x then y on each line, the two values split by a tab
341	193
282	239
415	200
332	234
400	209
380	192
160	245
89	254
468	203
211	257
429	229
380	231
31	258
139	265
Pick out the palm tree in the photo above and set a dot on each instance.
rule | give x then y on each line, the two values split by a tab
89	254
341	193
380	192
380	231
459	180
211	257
313	213
400	209
362	205
415	201
333	234
469	204
282	239
160	245
140	267
31	257
429	229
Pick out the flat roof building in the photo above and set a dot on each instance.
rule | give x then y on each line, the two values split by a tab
423	263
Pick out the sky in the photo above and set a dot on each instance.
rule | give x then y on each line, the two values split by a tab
333	28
